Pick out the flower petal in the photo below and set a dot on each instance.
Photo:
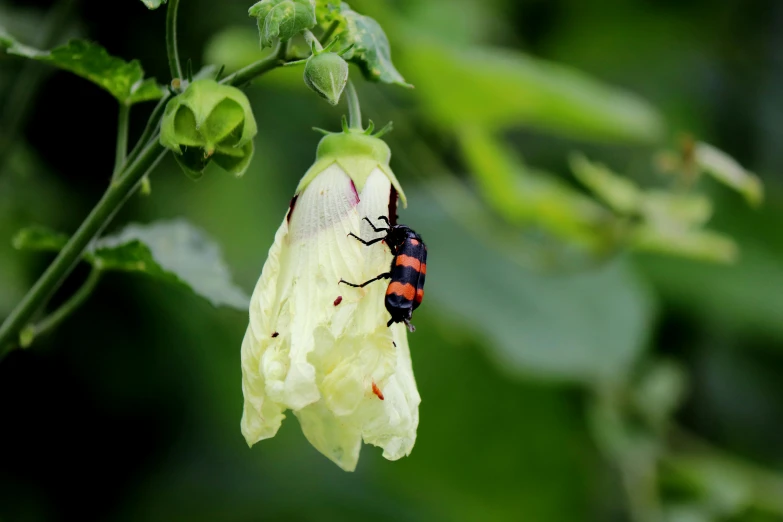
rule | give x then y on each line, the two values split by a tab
392	423
338	441
261	417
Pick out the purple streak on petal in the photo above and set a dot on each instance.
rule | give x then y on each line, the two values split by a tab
355	193
291	208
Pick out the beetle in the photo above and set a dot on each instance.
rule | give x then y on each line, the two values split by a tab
407	271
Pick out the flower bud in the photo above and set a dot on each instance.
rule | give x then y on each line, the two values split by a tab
209	121
327	74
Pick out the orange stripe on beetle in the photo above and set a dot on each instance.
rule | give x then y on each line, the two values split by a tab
407	290
411	262
419	295
423	268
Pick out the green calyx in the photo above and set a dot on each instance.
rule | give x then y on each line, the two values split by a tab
358	153
207	122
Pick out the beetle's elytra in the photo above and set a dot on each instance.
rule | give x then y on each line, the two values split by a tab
407	272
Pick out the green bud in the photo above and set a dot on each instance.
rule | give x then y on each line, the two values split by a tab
327	75
209	121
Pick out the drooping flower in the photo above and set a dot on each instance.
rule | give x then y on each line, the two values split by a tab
319	348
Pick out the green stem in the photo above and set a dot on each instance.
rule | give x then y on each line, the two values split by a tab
242	76
116	195
122	140
354	109
329	32
767	485
62	265
53	320
150	129
171	40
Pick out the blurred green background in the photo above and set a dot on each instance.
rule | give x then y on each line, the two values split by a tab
566	373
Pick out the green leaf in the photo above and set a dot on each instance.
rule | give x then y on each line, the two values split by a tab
499	89
173	251
371	50
726	170
583	326
124	80
702	245
282	19
668	223
153	4
39	238
620	193
523	196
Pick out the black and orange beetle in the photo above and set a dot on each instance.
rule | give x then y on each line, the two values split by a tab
407	271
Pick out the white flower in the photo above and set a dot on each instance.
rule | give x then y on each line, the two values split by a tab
320	348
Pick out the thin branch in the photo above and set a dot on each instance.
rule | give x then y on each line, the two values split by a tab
54	319
171	40
329	32
122	140
354	109
149	130
243	76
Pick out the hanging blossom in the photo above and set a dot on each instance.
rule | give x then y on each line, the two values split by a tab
319	348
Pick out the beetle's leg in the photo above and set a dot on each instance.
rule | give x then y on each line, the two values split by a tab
373	226
385	220
386	275
411	328
368	243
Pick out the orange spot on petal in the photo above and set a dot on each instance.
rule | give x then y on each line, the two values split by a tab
377	391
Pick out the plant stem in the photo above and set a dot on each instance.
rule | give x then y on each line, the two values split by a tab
50	322
150	129
242	76
62	265
171	40
354	109
122	140
118	192
329	32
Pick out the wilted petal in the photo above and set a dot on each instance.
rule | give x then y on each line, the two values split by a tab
339	441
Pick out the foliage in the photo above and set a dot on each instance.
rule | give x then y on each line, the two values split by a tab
282	19
365	43
123	80
601	301
173	252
